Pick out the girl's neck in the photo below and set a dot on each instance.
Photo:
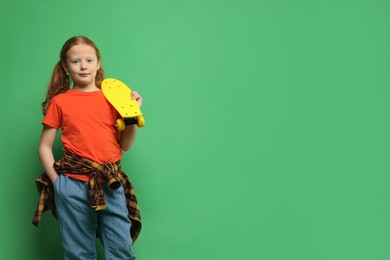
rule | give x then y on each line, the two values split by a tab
85	88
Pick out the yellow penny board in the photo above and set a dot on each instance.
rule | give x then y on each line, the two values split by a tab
119	95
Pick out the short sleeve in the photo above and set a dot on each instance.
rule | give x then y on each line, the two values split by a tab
53	115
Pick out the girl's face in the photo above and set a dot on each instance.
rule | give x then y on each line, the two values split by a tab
82	65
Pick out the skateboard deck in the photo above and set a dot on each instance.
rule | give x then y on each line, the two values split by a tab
119	95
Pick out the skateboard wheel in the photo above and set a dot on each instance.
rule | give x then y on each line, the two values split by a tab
120	124
140	121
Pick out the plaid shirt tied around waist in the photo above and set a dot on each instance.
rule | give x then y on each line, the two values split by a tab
111	173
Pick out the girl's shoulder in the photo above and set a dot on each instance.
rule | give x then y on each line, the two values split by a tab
64	98
63	95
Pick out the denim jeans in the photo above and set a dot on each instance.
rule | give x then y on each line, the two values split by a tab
79	223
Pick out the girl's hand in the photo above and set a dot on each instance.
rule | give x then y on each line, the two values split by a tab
135	96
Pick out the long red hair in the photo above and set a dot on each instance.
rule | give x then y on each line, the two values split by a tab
60	81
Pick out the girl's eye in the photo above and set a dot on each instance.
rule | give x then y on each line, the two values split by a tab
90	60
75	61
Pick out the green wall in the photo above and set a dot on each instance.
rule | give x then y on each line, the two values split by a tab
267	123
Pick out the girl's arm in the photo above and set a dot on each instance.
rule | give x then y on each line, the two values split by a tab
45	151
127	137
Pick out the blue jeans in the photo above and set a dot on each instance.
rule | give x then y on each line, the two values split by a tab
79	223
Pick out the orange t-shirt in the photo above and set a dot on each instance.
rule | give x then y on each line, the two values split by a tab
88	123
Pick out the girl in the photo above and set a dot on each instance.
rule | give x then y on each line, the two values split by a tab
86	190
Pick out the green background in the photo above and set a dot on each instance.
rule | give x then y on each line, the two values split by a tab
266	130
